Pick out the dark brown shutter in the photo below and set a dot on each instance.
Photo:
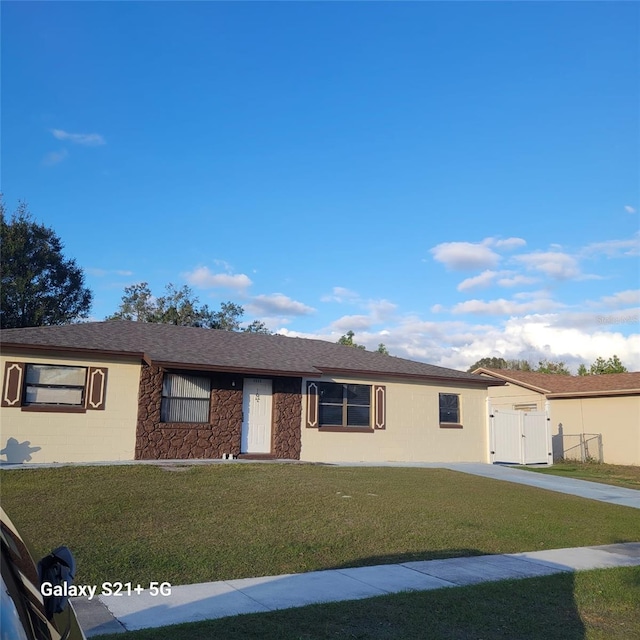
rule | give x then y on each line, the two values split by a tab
312	405
96	388
380	406
12	385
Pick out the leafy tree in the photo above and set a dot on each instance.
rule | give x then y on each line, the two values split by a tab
228	318
548	366
582	370
519	365
488	363
180	307
347	340
257	326
501	363
611	365
176	306
382	349
137	304
39	286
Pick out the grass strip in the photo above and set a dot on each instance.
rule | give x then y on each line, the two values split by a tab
627	476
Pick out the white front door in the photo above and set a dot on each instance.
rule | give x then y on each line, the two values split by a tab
256	416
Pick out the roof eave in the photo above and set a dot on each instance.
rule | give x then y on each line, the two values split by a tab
409	376
231	369
19	346
587	394
515	381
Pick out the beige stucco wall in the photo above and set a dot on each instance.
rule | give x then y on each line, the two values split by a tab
93	436
507	396
617	418
412	431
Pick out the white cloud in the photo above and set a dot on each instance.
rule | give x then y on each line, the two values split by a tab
278	304
85	139
484	280
55	157
515	280
224	264
510	243
629	209
554	264
352	323
381	309
572	344
302	334
202	277
340	294
606	319
505	307
500	278
540	294
378	310
615	248
530	337
461	256
622	298
458	344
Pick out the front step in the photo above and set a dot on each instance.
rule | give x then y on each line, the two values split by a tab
256	456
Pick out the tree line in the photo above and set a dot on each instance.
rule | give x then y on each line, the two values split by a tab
598	367
181	307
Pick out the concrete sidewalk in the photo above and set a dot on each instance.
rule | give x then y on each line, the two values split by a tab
582	488
191	603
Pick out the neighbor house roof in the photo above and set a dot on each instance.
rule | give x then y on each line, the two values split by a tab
561	386
209	349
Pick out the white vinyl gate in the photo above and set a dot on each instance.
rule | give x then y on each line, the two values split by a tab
520	437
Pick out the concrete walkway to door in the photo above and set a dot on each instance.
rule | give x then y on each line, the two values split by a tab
582	488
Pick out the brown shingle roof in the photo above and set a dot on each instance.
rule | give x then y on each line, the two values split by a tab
555	385
191	347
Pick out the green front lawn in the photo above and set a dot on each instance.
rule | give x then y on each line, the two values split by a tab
593	605
145	523
627	476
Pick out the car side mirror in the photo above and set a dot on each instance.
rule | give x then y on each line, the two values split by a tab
58	569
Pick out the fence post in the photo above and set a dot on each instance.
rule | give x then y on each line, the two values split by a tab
600	453
492	435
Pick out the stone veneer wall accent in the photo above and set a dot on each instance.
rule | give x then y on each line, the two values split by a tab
287	417
159	441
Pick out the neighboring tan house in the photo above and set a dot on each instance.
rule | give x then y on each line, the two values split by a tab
579	408
123	390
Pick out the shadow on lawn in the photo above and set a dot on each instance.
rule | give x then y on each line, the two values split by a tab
491	599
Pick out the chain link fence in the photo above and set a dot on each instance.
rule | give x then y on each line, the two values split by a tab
579	447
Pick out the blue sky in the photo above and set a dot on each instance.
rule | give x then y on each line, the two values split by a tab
455	180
